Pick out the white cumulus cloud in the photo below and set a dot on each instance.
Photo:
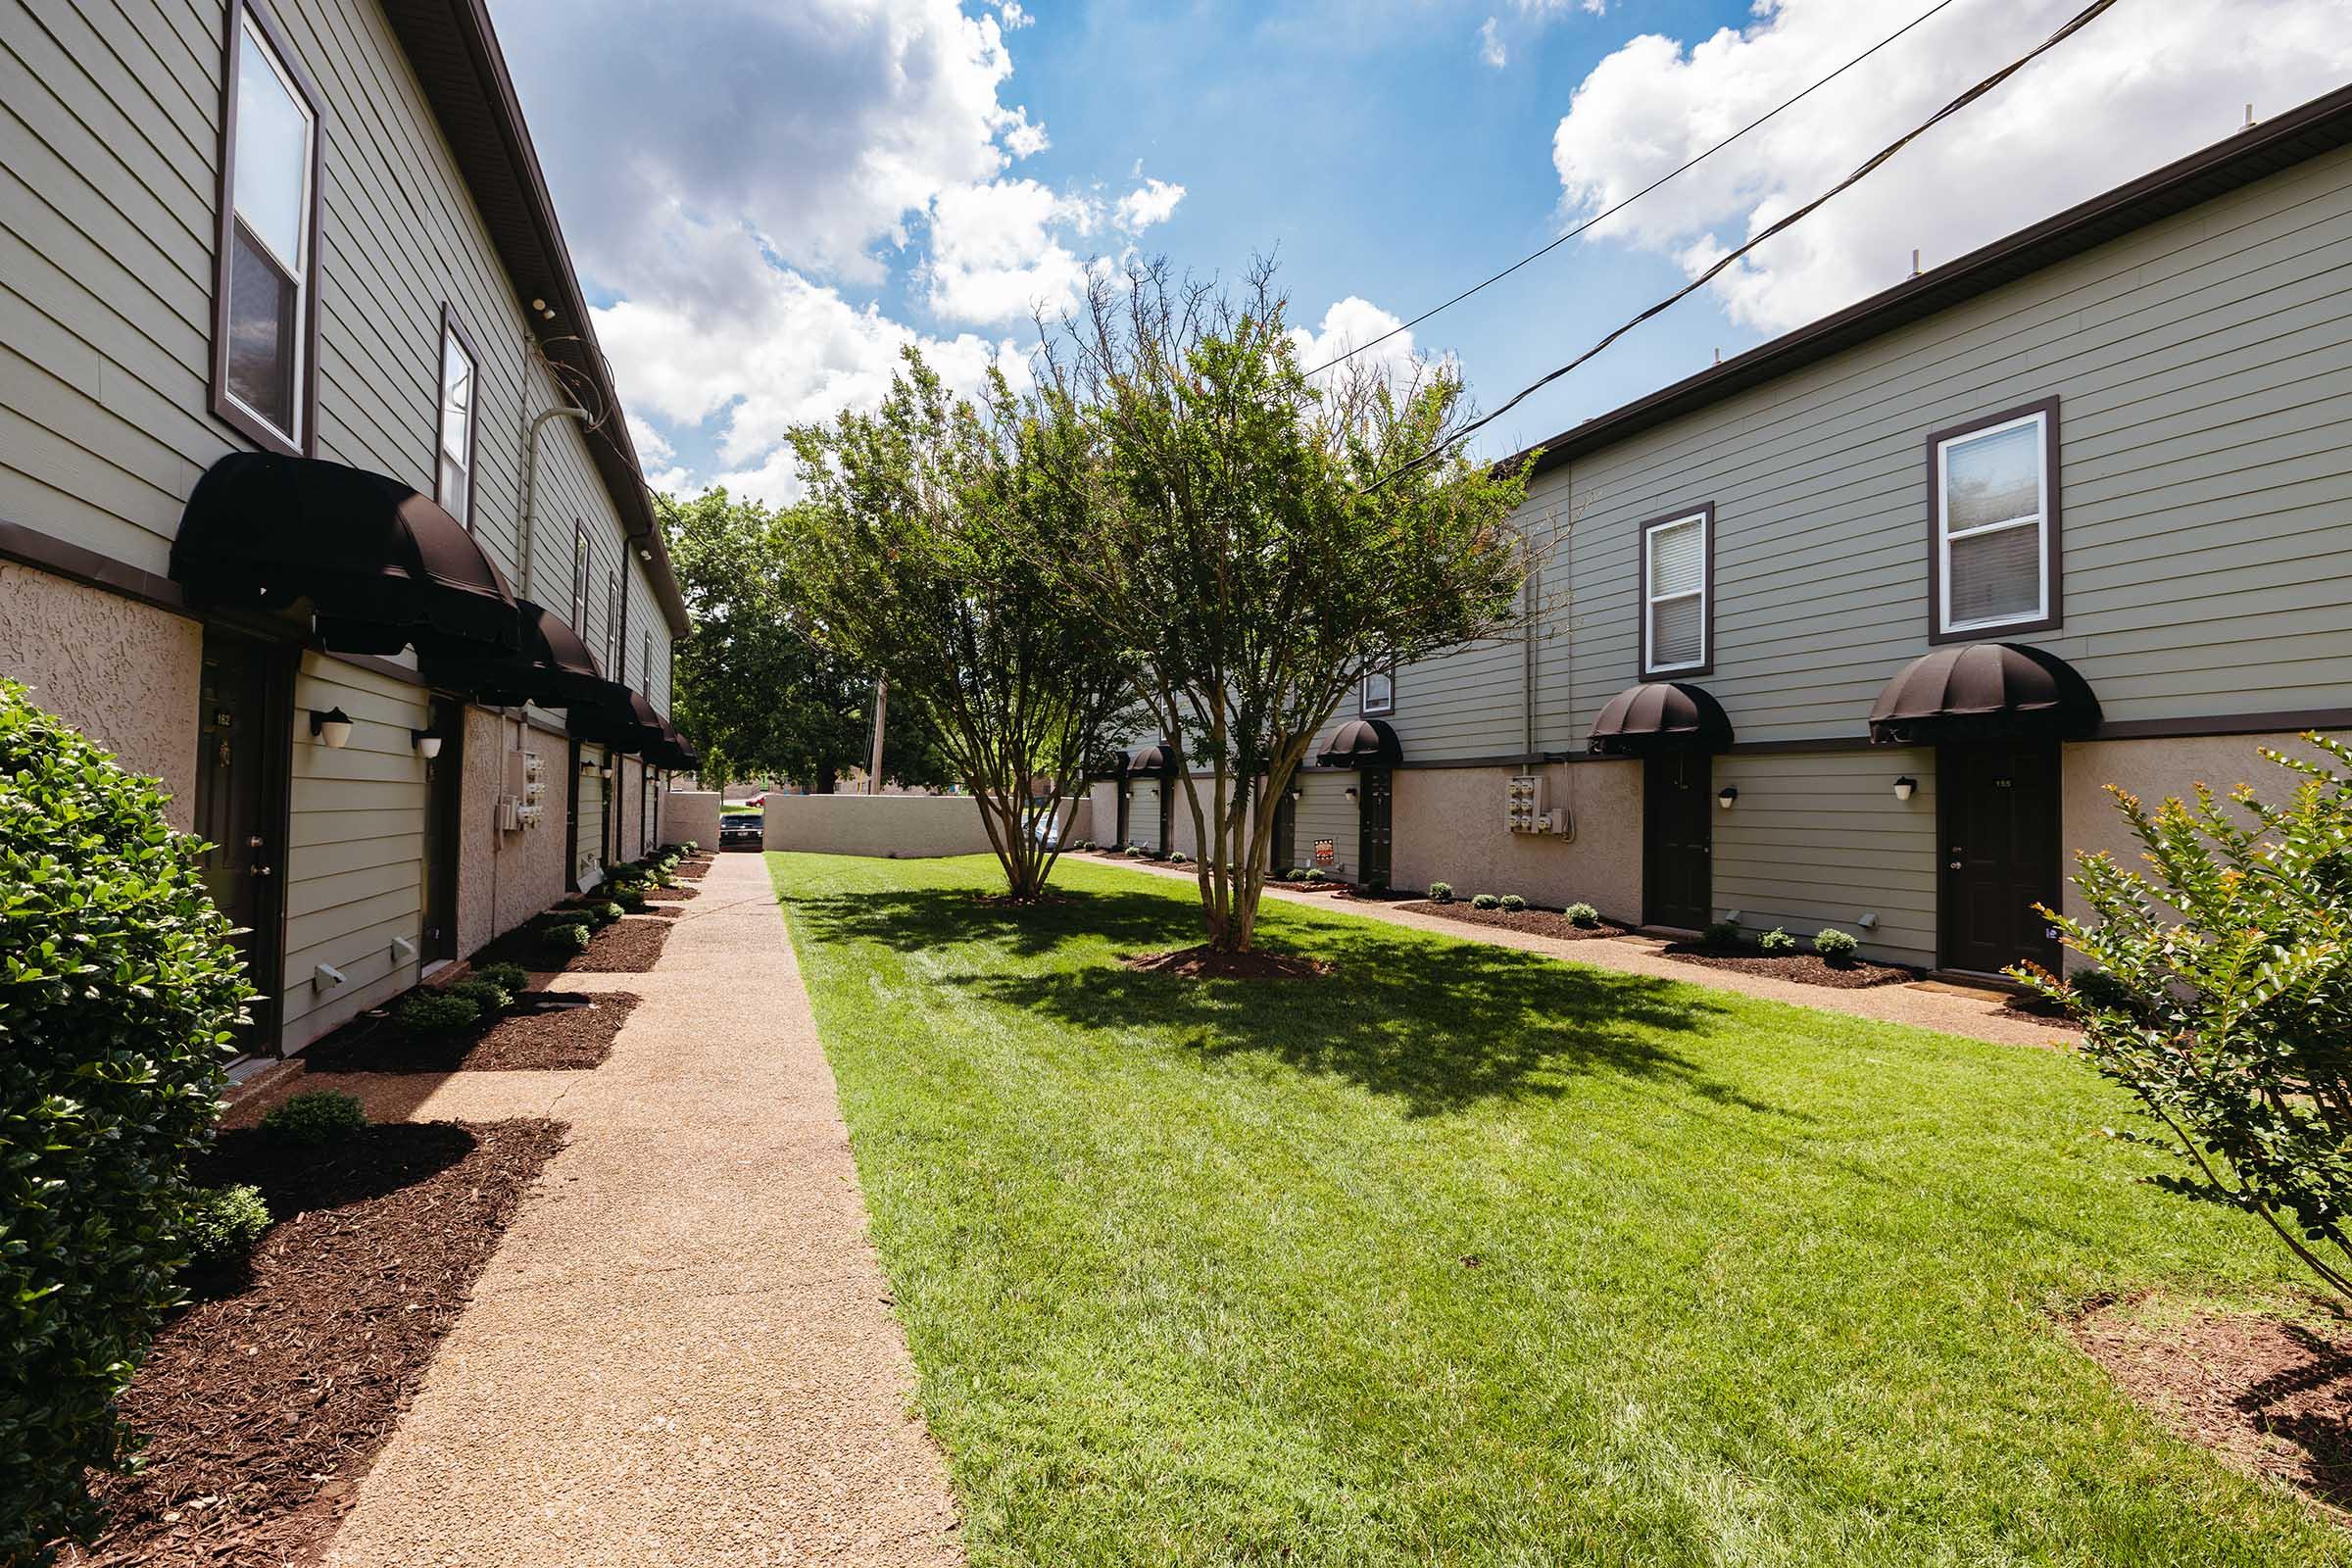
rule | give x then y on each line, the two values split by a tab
2132	90
1490	45
1152	201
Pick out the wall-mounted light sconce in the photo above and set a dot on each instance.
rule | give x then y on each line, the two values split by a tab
331	729
1903	788
586	766
1352	792
1298	794
1728	796
427	744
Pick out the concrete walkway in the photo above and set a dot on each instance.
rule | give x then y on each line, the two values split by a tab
683	1352
1954	1010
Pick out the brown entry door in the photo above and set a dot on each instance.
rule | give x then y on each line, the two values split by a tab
1376	818
1677	880
240	808
1999	815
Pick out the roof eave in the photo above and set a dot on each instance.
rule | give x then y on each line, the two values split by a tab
2322	126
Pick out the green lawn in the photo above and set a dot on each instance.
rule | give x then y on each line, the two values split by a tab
1466	1255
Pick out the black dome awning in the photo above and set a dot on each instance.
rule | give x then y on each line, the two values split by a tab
1363	743
1983	691
1153	761
1665	715
383	566
672	751
553	667
624	720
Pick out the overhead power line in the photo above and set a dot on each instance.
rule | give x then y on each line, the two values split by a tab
1610	212
2081	19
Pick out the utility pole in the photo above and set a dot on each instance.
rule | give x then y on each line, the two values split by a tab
873	774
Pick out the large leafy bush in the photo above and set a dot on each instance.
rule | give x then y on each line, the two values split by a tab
2223	996
117	988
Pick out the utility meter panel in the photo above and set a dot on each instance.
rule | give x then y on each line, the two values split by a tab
1525	813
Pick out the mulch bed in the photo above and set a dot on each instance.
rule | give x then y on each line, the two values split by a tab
555	1031
2269	1398
264	1404
1805	968
630	947
673	892
1206	964
1534	922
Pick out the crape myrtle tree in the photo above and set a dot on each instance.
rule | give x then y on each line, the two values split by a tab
2220	994
754	694
920	554
1262	541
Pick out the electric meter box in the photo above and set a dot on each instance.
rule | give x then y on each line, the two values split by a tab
1524	811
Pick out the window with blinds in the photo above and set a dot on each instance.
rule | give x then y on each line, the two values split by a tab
1992	525
269	238
1675	562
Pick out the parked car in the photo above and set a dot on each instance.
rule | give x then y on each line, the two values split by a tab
740	829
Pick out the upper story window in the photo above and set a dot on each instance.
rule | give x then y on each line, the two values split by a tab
579	578
265	280
1380	691
460	378
614	649
1678	594
1994	540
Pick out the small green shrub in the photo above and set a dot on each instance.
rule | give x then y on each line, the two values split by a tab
1294	874
1441	893
1723	934
220	1225
1777	940
566	941
1178	858
2098	991
1485	901
1583	914
489	997
430	1011
511	978
1314	874
118	984
312	1121
610	911
1512	903
628	900
1835	946
690	847
1135	851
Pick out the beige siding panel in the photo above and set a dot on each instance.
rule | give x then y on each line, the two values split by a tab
1818	839
1325	812
352	890
587	861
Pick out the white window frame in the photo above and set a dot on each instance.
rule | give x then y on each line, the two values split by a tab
1387	703
453	338
2037	519
1702	518
251	28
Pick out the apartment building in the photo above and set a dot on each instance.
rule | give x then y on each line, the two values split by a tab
1851	630
315	501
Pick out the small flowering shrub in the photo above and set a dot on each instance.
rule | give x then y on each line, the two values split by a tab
1315	874
1835	946
1512	903
1485	901
1777	940
1581	914
2221	997
1441	893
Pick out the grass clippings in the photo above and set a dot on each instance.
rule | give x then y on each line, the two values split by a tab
262	1403
1534	922
1804	968
1205	962
551	1031
2271	1396
1181	1266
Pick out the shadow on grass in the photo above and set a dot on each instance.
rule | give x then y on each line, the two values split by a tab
1440	1025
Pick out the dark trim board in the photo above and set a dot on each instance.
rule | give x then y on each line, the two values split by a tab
62	558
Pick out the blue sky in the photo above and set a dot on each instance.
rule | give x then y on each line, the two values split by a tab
767	197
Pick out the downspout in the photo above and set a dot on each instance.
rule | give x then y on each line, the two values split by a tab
530	480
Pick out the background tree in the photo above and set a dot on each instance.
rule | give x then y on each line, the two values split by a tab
920	555
1261	542
758	698
2221	997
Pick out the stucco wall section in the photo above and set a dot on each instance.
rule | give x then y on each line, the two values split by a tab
2153	770
488	739
690	814
124	674
898	826
531	860
1449	827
